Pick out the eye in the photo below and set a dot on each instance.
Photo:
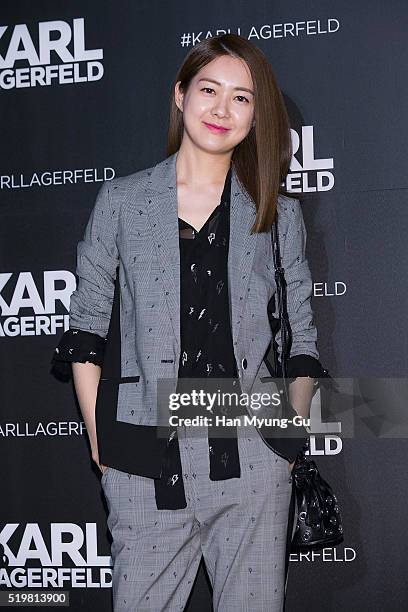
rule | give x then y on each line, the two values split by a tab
243	98
210	89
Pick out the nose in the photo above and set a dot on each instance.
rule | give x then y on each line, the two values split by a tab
221	106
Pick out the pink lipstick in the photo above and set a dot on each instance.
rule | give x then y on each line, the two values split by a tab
217	129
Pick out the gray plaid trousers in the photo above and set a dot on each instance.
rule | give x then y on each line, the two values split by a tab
239	526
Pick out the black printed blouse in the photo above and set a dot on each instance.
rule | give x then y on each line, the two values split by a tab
206	342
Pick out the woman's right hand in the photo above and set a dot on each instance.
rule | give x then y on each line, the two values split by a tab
95	457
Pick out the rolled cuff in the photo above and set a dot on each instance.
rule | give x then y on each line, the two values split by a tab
77	346
306	365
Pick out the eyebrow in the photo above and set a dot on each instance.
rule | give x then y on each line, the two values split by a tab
235	88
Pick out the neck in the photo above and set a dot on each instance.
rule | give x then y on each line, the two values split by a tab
197	168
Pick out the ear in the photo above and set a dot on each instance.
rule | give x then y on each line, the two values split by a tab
178	96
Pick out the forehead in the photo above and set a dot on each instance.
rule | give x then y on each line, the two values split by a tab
227	70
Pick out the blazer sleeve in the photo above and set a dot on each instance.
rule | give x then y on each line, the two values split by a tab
299	285
91	303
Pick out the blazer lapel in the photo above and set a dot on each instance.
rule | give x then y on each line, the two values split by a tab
162	208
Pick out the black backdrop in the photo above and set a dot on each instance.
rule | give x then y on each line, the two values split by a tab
342	70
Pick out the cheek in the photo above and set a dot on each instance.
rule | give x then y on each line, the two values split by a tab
244	128
196	106
194	117
244	118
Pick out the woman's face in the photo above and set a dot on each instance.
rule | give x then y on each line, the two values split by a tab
220	94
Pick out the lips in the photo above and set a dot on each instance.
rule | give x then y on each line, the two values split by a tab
216	128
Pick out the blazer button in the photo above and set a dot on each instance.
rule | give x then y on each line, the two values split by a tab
244	363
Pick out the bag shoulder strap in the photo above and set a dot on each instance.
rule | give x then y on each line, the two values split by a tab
285	330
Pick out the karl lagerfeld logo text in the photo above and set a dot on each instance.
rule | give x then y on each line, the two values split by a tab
308	173
28	308
56	53
65	555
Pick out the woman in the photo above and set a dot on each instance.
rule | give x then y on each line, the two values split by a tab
175	275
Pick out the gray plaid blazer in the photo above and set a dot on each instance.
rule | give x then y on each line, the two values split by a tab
129	262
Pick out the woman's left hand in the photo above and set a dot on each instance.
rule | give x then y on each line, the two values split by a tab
291	465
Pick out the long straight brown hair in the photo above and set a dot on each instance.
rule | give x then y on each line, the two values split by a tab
262	159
